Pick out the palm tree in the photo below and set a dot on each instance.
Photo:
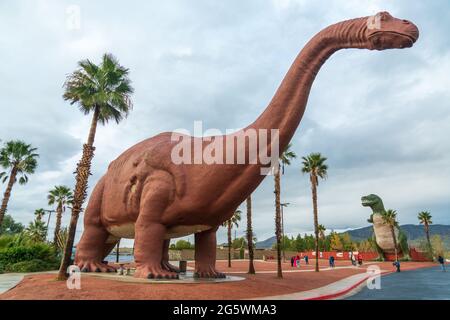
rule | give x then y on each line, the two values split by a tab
36	231
233	221
251	267
39	213
19	160
61	196
425	219
285	160
62	238
314	164
103	90
321	228
389	218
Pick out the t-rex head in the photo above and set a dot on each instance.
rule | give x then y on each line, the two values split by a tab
386	32
372	200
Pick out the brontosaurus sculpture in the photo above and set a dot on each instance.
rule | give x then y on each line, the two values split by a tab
146	196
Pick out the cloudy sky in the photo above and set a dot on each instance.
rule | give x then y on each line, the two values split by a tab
381	118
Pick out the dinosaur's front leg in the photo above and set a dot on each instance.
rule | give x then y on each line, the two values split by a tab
148	251
205	255
150	232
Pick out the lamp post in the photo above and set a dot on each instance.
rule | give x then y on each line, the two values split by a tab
48	220
282	205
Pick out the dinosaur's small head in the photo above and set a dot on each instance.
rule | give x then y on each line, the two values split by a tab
371	200
386	32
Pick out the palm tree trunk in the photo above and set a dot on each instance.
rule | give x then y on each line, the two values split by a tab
117	251
395	243
251	267
283	238
93	129
57	225
82	174
427	232
229	243
278	222
7	194
316	219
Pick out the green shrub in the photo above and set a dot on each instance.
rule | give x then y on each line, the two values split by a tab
16	240
34	265
40	251
5	241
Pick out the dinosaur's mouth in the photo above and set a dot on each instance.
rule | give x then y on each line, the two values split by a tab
407	40
411	37
366	202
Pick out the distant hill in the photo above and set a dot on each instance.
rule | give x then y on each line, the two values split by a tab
266	244
413	232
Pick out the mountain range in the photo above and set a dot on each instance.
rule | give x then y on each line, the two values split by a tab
413	233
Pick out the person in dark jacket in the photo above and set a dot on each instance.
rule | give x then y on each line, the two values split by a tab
331	261
397	265
292	261
306	259
441	260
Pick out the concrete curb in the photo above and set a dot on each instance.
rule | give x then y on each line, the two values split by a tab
346	290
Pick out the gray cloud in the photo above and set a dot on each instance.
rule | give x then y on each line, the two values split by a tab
380	117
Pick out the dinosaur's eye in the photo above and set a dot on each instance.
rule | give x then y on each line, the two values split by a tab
376	41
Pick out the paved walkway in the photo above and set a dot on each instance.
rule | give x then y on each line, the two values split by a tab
330	291
303	270
421	284
10	280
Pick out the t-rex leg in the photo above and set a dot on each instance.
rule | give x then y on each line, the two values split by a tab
205	255
165	259
149	231
90	249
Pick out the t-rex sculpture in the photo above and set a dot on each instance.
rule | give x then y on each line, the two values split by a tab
382	232
146	196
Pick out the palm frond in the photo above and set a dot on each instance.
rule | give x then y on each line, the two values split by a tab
105	86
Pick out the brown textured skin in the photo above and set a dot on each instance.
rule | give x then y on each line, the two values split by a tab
143	185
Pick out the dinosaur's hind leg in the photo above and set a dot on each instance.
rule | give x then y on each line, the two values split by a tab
90	249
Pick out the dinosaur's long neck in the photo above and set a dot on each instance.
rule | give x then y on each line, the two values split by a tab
288	105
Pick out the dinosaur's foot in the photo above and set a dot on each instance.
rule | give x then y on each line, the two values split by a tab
154	272
167	266
208	272
94	266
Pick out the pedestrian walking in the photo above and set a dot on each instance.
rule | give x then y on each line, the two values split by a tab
397	265
331	261
441	261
